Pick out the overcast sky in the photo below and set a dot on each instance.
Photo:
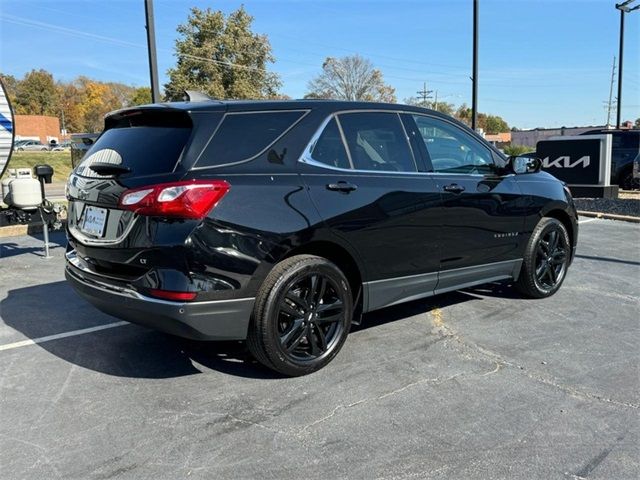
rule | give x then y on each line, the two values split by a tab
542	63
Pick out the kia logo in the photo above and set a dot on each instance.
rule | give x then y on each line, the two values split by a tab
565	162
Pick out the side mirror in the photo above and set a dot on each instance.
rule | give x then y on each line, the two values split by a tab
520	165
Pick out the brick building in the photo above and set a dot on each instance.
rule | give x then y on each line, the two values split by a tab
37	127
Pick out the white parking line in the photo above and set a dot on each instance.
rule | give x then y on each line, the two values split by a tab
48	338
587	221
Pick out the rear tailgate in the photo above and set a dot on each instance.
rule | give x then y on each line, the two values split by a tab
147	146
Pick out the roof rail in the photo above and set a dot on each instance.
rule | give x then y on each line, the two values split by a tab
196	96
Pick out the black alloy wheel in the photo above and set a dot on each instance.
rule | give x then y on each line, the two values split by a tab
546	259
309	317
551	259
302	315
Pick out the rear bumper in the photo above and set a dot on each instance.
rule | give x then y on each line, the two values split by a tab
212	320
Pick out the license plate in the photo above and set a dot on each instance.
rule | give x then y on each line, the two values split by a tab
94	220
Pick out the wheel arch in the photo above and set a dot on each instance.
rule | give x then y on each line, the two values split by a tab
339	255
565	219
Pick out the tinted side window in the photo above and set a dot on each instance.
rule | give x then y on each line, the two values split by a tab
377	141
451	149
242	136
329	148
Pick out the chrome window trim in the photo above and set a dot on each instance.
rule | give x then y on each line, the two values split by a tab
261	152
306	157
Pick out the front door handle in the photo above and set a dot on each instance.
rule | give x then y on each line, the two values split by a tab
342	186
454	188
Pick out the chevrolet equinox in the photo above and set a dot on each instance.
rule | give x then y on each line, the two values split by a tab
282	222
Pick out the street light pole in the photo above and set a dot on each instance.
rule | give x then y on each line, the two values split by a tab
474	90
151	47
624	8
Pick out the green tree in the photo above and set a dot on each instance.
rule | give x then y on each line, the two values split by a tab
495	124
222	57
350	78
37	95
140	96
637	123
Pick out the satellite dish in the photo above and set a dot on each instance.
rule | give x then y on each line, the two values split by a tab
7	132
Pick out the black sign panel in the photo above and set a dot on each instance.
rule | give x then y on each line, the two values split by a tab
576	162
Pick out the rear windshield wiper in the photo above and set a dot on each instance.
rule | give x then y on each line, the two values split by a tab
109	168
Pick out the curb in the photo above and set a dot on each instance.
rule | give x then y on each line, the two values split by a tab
609	216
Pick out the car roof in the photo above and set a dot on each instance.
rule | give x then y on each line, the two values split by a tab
303	104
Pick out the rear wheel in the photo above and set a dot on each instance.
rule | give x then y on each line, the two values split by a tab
546	260
302	315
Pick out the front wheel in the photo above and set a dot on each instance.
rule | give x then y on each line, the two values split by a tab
302	315
546	260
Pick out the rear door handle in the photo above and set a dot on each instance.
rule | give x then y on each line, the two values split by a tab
454	188
342	186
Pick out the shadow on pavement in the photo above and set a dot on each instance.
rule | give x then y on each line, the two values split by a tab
134	351
10	249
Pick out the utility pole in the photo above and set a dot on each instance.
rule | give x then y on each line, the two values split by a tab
435	102
425	94
624	8
609	104
151	47
474	78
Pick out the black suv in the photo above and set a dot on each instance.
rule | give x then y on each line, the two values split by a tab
281	222
625	152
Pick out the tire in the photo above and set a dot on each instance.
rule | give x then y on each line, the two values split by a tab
301	317
546	260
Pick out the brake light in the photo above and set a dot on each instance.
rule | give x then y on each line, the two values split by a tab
191	199
172	295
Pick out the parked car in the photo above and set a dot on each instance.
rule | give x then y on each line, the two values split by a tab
31	145
625	151
61	147
282	222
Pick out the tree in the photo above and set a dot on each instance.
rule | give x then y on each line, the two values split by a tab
495	124
70	97
350	78
96	100
221	57
442	107
36	94
637	123
140	96
11	86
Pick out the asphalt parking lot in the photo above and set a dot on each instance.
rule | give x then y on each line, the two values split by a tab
475	384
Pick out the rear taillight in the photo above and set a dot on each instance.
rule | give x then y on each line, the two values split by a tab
192	199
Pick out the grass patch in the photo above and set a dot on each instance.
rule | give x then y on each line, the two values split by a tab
60	161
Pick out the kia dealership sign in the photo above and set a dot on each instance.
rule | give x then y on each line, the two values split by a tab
580	160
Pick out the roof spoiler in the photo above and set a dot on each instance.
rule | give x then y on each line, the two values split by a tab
196	96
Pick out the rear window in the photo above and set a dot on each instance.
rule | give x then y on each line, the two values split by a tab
148	144
242	136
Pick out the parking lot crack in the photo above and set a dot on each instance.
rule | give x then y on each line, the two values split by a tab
442	329
363	401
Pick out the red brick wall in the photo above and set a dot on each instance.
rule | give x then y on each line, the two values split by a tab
37	126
